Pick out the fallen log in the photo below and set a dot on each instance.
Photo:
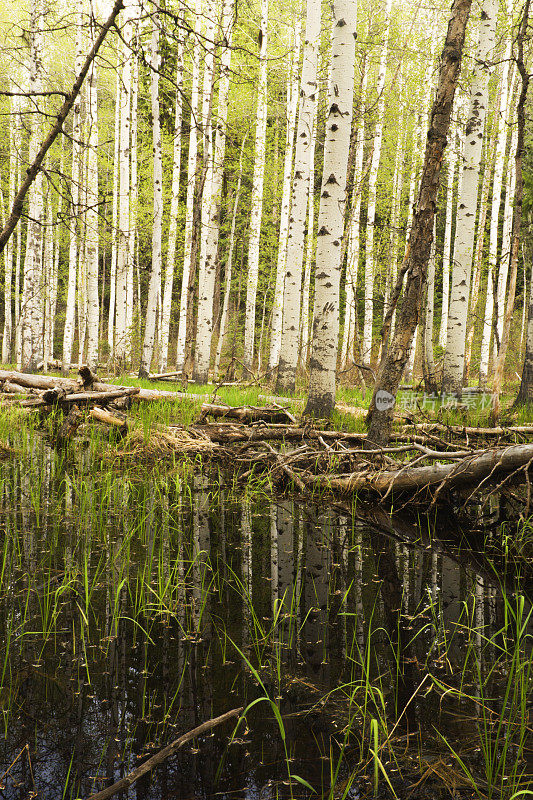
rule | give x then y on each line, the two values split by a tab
108	418
473	469
85	398
469	430
158	758
31	381
247	413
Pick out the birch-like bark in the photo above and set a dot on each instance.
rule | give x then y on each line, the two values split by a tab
174	207
354	225
49	282
501	140
447	244
309	253
133	262
229	268
114	222
372	195
192	167
321	399
292	105
288	357
7	336
31	292
505	254
256	210
467	203
428	361
207	277
123	226
154	286
92	242
478	256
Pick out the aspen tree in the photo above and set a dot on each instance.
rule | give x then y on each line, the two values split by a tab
91	216
123	227
157	214
467	203
506	235
256	209
192	166
229	266
517	211
372	195
288	356
31	338
354	223
114	222
132	261
174	207
501	141
206	282
447	244
7	337
393	364
428	362
309	251
321	399
292	105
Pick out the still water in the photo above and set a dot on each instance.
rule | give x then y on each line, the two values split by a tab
132	610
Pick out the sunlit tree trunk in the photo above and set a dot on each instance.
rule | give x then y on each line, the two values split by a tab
114	222
207	277
447	244
505	254
229	268
321	399
428	361
309	253
192	166
467	204
288	356
157	214
256	209
501	141
31	293
123	227
372	195
92	242
354	227
174	208
133	261
7	337
292	105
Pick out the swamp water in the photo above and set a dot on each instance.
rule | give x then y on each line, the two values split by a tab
132	610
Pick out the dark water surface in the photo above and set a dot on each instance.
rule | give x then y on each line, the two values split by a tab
133	610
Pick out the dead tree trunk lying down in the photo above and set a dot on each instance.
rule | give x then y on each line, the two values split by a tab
247	413
474	469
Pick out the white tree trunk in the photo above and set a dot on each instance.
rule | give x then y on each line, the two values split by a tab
501	140
7	337
31	293
256	210
467	203
309	252
447	244
372	196
114	223
229	268
192	166
354	226
321	398
133	264
505	254
157	214
174	208
206	283
288	356
124	187
292	105
92	241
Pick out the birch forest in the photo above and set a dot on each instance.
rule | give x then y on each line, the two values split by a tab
234	192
